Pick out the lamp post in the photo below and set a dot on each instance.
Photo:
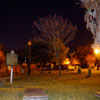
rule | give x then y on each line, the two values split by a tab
97	52
29	55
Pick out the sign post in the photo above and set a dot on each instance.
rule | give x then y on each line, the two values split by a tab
11	59
11	77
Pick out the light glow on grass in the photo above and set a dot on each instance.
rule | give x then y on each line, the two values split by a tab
70	86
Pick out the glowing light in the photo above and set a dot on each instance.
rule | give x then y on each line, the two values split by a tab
70	67
97	51
66	62
29	43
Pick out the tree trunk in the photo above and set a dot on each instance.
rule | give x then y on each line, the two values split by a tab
49	69
59	69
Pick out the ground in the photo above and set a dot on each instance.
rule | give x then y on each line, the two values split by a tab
70	86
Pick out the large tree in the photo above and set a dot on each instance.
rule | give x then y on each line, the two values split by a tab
56	32
92	18
90	59
82	52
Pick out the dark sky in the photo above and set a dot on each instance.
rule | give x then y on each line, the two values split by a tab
16	20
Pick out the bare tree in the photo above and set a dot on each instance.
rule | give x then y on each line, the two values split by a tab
55	31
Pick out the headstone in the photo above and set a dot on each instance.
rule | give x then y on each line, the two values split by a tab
89	72
97	94
79	71
35	94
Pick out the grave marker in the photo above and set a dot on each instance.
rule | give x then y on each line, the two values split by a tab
35	94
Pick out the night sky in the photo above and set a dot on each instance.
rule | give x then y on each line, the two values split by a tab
16	20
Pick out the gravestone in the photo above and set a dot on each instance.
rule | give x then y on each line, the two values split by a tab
97	94
35	94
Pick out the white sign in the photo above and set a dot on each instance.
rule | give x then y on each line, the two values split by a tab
11	59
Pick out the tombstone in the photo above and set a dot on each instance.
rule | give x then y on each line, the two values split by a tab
97	94
35	94
89	72
79	71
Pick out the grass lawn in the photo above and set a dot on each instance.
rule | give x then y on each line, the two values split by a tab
70	86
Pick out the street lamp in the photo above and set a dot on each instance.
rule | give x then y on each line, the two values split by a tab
29	55
97	52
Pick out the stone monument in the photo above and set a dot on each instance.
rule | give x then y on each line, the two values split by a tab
35	94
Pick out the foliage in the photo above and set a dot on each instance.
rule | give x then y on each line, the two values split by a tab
74	59
39	54
90	59
2	57
58	50
83	51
